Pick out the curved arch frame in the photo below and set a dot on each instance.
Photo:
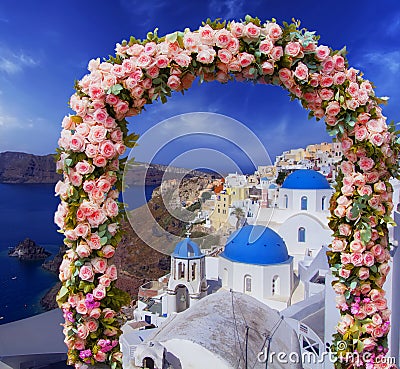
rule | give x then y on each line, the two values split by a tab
144	71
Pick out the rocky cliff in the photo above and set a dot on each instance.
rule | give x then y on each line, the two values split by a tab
18	167
28	250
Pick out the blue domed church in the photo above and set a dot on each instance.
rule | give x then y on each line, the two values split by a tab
255	261
301	215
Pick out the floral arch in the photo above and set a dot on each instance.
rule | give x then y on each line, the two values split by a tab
144	71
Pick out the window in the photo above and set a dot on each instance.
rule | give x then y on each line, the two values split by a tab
323	203
286	201
247	284
219	210
193	271
275	285
304	203
181	269
301	235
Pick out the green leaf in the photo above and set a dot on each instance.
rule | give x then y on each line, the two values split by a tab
115	90
103	240
353	285
63	292
68	162
172	37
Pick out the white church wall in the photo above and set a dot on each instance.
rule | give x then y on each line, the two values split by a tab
315	235
212	265
189	355
332	314
314	199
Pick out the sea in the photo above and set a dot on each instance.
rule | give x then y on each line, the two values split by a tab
27	210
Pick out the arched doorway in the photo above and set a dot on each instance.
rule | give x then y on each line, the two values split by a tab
182	298
148	363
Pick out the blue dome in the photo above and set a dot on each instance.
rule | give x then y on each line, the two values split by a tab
187	249
256	245
306	179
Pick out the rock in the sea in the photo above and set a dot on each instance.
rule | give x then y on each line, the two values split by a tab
28	250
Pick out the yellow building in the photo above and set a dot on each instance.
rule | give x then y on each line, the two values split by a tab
221	210
238	193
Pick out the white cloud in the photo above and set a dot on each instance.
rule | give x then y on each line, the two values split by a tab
229	8
12	63
387	60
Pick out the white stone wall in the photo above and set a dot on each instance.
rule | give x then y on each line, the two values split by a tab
314	199
316	235
233	276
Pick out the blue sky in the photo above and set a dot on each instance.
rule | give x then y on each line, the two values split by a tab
45	45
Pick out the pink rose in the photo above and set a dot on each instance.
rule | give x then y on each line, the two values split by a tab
381	304
100	356
83	332
94	242
338	245
82	229
245	59
363	273
345	258
108	251
108	313
107	149
340	211
111	208
276	53
224	55
344	229
339	78
86	272
356	258
97	217
81	307
83	167
328	65
92	325
83	129
365	190
266	46
322	52
100	161
100	115
206	34
344	273
99	265
369	259
376	139
357	246
326	80
333	108
83	250
326	94
233	46
285	74
144	60
267	68
95	313
222	38
97	134
79	344
112	272
344	201
112	228
105	280
99	292
347	190
251	30
71	235
174	82
77	142
236	29
274	31
301	71
370	308
293	49
384	269
365	288
75	178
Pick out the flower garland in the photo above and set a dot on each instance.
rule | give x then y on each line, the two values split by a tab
144	71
